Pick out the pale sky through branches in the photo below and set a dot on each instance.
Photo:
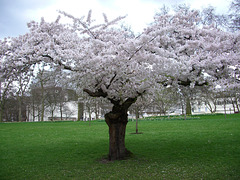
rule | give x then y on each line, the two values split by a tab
15	14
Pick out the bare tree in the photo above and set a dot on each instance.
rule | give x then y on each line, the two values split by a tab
5	92
209	17
22	85
234	15
165	99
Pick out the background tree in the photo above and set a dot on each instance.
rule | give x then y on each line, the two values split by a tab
5	93
139	106
165	98
67	112
41	85
209	17
21	88
54	95
234	15
5	76
41	80
209	97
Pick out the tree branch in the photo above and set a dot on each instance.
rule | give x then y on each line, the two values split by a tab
98	93
188	82
183	83
141	48
115	74
129	102
60	63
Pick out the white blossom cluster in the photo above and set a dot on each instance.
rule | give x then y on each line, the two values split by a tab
109	62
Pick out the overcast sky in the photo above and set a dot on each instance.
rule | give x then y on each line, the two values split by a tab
14	14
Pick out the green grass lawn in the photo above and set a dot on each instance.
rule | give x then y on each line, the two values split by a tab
201	147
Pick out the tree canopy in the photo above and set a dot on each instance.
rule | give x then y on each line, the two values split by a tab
174	49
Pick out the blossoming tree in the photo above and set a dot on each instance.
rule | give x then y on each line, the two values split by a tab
119	67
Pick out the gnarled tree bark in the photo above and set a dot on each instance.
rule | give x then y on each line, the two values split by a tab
117	121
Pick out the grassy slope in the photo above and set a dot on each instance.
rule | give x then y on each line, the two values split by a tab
202	147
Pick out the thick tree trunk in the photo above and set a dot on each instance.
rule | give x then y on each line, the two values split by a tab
117	123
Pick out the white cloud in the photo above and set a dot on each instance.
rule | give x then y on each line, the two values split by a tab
222	5
140	12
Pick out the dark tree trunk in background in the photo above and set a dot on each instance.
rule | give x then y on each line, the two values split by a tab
52	114
1	111
61	111
137	117
19	109
188	107
80	111
42	102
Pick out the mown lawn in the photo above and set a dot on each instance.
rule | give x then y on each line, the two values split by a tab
201	147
